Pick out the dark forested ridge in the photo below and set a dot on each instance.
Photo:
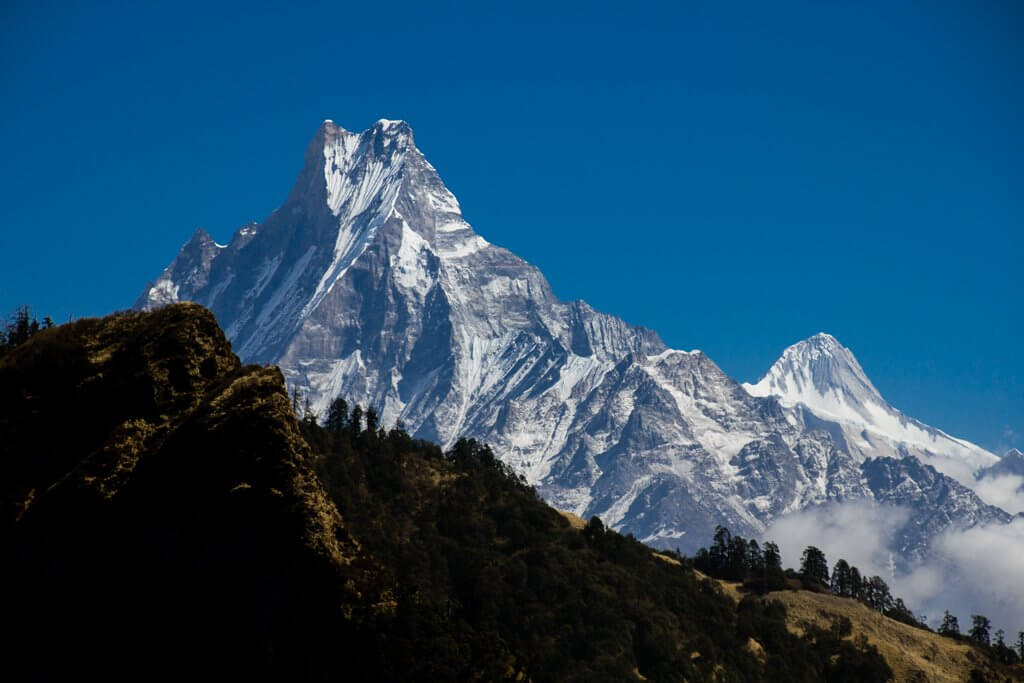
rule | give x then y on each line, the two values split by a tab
167	516
492	583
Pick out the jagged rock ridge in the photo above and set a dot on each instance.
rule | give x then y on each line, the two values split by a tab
368	283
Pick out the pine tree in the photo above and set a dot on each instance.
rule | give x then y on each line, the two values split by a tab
736	564
337	416
901	612
355	420
813	566
1020	645
371	420
1003	653
877	595
594	528
307	411
772	557
24	326
755	560
980	627
20	327
950	625
856	584
841	579
719	552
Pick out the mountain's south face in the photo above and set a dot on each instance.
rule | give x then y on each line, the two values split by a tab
368	283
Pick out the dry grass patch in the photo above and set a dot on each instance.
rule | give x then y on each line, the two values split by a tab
575	521
913	654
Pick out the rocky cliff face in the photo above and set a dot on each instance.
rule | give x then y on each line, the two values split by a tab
935	502
368	284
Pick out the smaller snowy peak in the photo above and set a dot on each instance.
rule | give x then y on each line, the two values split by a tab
820	373
1012	463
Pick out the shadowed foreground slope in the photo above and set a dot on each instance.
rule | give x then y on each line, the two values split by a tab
165	517
159	508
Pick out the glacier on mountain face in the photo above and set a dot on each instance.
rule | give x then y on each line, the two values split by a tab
368	283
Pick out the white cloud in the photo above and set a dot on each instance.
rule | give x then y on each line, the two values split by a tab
972	571
1005	491
860	532
953	466
978	572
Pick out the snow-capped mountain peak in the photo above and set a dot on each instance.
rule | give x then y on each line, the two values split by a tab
824	377
822	374
367	283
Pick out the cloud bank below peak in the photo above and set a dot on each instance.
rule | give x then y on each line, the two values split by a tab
968	571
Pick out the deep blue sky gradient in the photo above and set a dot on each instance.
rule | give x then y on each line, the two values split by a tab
737	176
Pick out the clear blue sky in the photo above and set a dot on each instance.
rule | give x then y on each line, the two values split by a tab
737	176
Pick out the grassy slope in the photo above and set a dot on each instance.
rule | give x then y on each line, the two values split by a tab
912	653
909	651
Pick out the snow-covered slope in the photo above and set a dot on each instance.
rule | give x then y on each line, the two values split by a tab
824	376
368	283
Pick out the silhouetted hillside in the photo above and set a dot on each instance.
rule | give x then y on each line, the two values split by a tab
160	513
166	518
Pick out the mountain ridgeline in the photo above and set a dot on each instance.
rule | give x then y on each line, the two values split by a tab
168	516
368	283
